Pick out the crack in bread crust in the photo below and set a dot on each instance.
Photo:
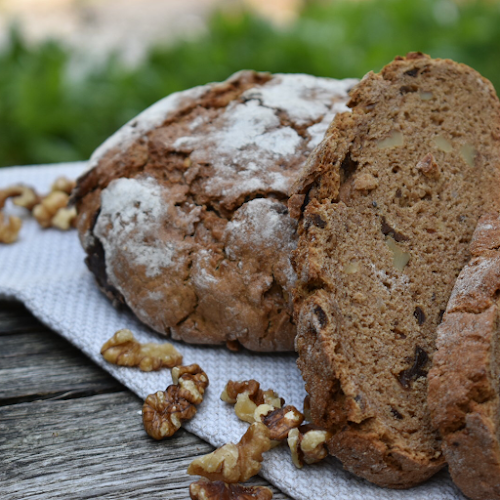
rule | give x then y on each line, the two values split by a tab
192	214
399	184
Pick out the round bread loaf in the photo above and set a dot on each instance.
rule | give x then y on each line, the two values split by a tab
183	213
465	377
389	203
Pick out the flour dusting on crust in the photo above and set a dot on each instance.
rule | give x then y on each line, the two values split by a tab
133	212
190	203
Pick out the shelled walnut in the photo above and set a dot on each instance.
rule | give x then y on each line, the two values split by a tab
246	396
192	381
279	421
9	228
164	412
124	350
53	210
50	210
22	196
234	463
218	490
64	218
49	206
308	444
63	184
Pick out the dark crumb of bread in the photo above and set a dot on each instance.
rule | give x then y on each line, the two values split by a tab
399	184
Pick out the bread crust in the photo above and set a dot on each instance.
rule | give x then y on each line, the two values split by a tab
183	212
379	250
463	382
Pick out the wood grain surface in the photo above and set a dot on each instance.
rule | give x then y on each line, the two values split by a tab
68	430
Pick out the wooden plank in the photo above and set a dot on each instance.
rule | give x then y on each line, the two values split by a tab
37	363
15	318
93	447
41	365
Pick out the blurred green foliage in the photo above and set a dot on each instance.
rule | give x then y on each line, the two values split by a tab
49	115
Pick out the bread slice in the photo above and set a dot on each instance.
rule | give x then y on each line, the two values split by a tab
388	204
464	381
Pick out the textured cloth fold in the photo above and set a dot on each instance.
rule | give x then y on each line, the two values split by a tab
45	270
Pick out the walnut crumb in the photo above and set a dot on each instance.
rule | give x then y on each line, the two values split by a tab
428	166
234	463
218	490
124	350
365	182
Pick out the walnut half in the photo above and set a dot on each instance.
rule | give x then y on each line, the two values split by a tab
124	350
164	412
234	463
218	490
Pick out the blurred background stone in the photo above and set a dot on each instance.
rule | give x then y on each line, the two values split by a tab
127	27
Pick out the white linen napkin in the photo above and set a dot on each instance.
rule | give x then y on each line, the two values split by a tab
45	270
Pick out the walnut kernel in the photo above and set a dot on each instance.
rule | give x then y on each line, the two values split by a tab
425	96
164	412
48	207
469	154
232	389
279	421
64	219
192	381
307	445
9	228
399	258
428	166
394	140
246	396
23	196
233	463
351	268
218	490
124	350
245	408
63	184
442	144
365	182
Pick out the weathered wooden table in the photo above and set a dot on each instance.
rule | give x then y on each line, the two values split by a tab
68	430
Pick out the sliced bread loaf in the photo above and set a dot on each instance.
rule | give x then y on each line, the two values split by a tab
464	381
387	206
